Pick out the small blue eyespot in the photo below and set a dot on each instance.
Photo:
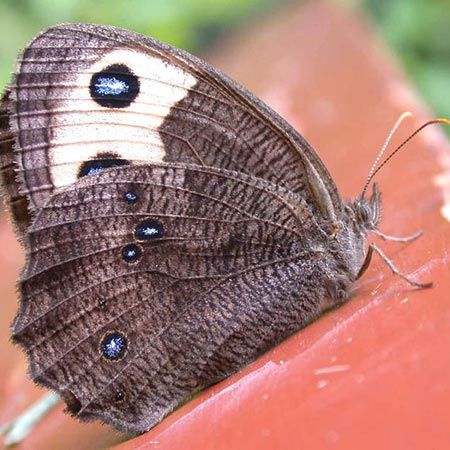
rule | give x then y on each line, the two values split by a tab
119	396
130	197
114	346
102	161
131	253
148	230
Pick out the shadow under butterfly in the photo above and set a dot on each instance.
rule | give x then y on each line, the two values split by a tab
175	226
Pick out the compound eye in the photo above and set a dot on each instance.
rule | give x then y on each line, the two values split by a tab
364	213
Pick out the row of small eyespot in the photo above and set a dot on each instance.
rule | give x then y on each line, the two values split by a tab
145	231
114	345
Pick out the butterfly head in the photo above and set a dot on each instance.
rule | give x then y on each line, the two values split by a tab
368	212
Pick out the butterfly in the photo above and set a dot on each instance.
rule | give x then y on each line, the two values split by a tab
175	226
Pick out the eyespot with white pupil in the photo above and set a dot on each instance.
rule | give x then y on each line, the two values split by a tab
119	396
101	162
130	197
114	346
149	230
131	253
114	87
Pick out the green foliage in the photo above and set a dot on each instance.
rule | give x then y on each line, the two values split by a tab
418	30
189	24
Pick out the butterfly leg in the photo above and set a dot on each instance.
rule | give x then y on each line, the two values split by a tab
394	269
410	238
19	428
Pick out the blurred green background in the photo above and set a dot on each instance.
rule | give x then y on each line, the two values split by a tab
417	30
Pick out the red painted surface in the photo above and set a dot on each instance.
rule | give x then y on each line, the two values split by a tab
373	374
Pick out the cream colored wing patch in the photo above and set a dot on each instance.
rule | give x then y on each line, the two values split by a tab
82	128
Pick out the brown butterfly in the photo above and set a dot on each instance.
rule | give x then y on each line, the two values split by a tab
175	226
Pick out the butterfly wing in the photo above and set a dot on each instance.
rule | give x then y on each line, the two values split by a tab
89	96
10	188
223	271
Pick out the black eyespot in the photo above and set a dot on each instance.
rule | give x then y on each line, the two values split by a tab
115	86
130	197
102	161
131	253
101	302
119	396
149	229
114	346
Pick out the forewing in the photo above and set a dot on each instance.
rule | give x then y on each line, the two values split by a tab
87	92
226	274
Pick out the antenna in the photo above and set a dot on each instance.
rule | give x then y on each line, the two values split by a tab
374	170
